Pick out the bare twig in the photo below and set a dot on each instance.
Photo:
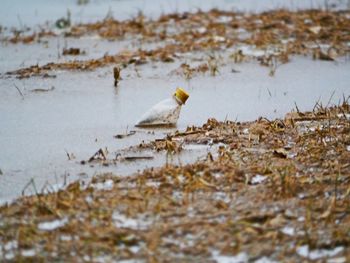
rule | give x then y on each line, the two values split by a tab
19	91
30	183
329	101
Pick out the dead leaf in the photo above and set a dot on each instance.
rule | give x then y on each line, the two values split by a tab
280	153
315	29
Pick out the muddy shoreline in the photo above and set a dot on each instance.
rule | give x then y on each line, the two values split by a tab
55	102
273	190
257	169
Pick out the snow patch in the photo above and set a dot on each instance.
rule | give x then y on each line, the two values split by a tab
265	260
52	225
28	253
10	245
258	179
107	185
290	231
240	257
122	221
337	260
304	251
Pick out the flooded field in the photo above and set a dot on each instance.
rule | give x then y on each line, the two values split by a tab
245	65
80	117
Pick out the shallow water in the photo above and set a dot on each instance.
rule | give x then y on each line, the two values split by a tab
84	111
20	13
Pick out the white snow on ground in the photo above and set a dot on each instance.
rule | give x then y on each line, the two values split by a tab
305	251
28	253
52	225
287	230
122	221
239	258
107	185
258	179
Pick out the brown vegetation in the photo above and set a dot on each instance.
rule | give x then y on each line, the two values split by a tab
321	34
273	188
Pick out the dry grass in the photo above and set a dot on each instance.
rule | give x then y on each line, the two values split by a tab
274	187
323	35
